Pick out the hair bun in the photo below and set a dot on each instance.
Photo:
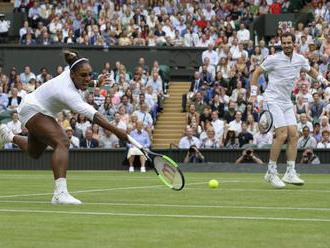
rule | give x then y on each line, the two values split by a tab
70	56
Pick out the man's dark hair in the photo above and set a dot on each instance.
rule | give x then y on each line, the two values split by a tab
306	128
287	34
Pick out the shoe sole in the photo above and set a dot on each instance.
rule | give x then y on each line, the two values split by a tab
296	184
58	203
276	187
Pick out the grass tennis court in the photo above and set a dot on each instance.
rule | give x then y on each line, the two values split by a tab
137	210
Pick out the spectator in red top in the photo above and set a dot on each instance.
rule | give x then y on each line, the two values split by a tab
202	23
276	7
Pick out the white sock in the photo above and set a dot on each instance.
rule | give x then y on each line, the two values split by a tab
291	165
60	185
272	166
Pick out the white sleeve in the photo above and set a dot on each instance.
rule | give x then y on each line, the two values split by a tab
268	64
78	105
182	144
197	142
203	56
305	64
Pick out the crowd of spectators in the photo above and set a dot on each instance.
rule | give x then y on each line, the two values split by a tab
218	114
141	23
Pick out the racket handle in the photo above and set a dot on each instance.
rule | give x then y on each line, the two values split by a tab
134	142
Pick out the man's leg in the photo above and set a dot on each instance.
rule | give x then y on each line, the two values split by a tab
281	134
131	163
292	143
271	175
290	175
143	163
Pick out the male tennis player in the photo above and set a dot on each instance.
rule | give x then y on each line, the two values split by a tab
283	68
37	113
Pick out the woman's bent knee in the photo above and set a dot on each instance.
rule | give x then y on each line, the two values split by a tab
35	154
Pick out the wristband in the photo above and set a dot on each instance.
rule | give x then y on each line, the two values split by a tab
254	90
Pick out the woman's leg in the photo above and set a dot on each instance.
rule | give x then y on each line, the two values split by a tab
30	144
45	131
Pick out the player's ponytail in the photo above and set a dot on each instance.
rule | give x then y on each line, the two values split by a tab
73	59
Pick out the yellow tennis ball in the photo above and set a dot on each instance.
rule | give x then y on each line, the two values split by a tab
213	184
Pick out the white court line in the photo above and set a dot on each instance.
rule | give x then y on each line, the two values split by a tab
177	205
165	215
96	190
161	185
297	190
112	176
118	177
82	191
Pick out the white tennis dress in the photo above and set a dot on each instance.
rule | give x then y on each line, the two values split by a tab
282	72
52	97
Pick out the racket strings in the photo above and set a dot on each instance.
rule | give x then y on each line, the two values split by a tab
169	173
265	122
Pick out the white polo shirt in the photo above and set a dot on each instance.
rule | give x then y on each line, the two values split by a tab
185	142
243	35
282	73
213	57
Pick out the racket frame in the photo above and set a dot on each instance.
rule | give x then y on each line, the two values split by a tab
271	121
151	155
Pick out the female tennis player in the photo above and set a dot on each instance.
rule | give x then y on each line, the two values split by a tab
283	69
38	110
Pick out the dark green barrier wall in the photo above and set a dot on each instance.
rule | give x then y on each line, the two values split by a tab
99	159
267	25
182	61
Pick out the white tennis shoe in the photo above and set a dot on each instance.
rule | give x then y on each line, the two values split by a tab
64	198
272	178
131	169
6	135
143	169
292	177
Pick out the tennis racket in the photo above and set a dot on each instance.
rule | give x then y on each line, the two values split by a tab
166	169
265	121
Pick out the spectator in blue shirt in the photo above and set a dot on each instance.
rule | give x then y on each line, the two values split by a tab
141	136
27	75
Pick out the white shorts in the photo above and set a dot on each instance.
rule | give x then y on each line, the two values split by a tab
283	115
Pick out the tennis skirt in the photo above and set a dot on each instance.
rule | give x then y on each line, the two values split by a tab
27	110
